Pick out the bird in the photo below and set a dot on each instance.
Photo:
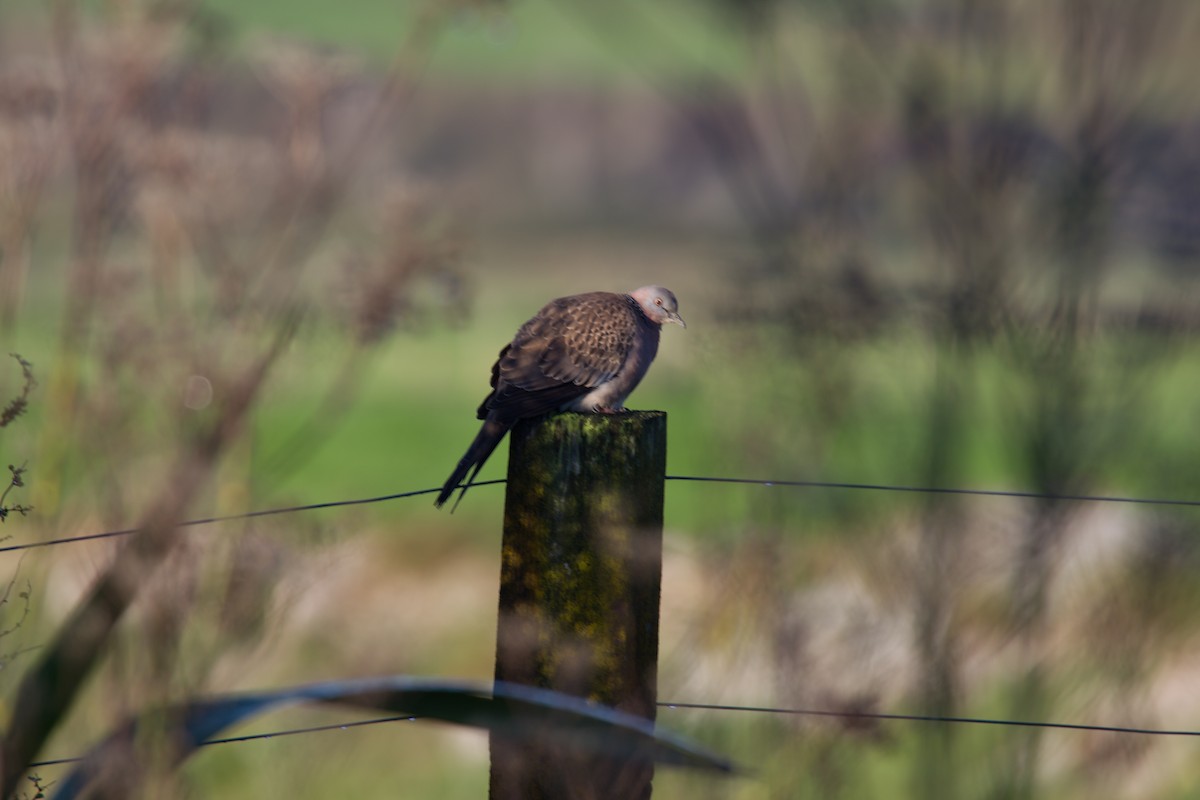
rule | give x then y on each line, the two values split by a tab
586	352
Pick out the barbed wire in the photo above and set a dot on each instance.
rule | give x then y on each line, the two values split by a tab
676	705
882	487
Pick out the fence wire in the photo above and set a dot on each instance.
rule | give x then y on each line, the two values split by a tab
671	705
804	484
809	484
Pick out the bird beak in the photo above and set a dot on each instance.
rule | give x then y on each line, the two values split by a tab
678	320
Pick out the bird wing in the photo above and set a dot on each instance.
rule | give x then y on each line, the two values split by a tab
567	349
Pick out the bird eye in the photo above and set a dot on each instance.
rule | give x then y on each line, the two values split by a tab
658	301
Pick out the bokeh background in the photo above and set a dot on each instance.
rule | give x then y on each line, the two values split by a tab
918	243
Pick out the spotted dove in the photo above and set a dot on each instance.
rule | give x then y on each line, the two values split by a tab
584	353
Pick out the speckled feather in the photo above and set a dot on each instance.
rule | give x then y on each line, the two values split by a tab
573	345
586	352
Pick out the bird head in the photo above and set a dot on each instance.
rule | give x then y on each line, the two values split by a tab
658	304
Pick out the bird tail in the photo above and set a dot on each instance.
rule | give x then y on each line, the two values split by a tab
477	454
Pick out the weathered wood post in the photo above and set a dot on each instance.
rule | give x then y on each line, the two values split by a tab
579	589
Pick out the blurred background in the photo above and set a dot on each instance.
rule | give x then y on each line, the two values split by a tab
918	243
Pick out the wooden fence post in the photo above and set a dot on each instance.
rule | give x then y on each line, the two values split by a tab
579	589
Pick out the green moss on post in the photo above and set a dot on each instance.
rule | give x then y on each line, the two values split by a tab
579	587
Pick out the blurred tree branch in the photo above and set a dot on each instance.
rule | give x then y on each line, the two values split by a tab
16	407
187	258
48	690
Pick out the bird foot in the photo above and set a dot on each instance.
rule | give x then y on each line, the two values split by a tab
609	410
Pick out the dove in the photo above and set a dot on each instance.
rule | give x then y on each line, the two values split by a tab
586	352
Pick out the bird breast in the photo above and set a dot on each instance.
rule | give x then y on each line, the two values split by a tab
612	393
